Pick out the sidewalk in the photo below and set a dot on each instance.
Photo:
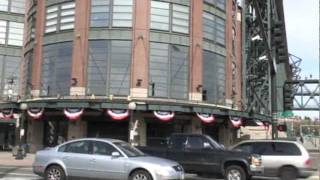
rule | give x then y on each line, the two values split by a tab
6	159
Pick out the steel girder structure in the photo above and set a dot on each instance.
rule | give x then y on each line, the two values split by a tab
305	94
258	60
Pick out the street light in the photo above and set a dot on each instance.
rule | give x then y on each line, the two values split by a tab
132	132
23	107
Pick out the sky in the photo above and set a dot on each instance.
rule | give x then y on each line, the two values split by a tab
302	27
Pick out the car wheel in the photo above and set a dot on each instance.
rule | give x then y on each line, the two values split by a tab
140	175
235	173
55	173
288	173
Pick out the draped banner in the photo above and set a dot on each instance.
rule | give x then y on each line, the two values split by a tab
35	113
6	114
264	124
206	117
73	114
236	121
118	114
164	115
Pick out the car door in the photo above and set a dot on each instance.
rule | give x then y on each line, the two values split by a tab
199	157
268	157
76	156
175	150
104	166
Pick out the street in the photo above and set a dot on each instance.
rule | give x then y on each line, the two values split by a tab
25	173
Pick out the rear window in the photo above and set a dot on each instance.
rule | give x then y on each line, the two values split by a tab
287	149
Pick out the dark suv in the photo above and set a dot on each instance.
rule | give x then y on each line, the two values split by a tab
280	158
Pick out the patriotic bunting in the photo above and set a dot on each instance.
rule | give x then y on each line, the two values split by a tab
6	114
118	114
73	114
236	122
164	115
206	117
35	113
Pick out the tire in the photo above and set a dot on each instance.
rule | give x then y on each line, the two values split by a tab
235	173
140	175
288	173
55	173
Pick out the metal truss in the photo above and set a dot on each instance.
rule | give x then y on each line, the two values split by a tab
305	94
258	65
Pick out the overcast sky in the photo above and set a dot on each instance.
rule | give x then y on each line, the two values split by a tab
302	25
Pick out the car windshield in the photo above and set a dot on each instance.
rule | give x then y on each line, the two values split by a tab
129	150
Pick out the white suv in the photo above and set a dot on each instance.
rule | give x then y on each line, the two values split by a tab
288	160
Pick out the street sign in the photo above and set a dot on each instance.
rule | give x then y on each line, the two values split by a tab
281	115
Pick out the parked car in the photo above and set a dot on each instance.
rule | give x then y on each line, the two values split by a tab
202	155
112	159
288	160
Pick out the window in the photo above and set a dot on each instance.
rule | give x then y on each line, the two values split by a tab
109	67
56	69
100	13
163	12
17	6
102	148
80	147
31	29
160	14
180	18
27	72
3	31
15	34
195	143
120	11
4	4
60	17
177	143
169	71
214	76
263	148
287	149
214	28
245	147
218	3
9	78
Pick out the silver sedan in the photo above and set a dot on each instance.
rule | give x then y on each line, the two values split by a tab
93	158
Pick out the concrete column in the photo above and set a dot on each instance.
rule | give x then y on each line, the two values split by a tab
137	130
140	50
196	55
80	48
227	135
35	135
195	126
77	129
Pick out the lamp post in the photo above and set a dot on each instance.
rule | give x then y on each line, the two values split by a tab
132	128
23	107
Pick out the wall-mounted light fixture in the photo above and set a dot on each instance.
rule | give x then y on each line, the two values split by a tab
139	81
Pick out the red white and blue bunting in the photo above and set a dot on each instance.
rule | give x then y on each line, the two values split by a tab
73	114
236	121
206	117
6	114
118	114
164	115
35	113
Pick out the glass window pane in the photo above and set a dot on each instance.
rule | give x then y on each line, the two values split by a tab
15	34
160	15
17	6
56	71
100	10
3	31
4	5
122	13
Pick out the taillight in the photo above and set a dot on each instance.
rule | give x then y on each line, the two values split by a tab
308	162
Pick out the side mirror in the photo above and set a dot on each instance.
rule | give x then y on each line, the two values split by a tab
115	154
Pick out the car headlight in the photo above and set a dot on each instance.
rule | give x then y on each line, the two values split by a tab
164	171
